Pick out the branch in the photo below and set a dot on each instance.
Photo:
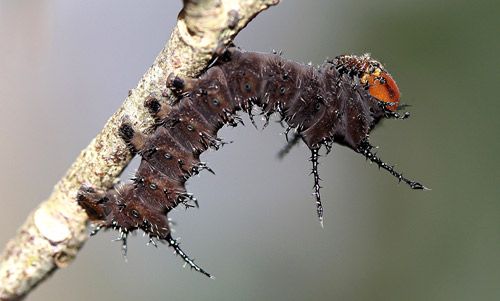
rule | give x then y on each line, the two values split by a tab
53	234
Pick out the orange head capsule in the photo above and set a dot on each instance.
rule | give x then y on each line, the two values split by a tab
382	86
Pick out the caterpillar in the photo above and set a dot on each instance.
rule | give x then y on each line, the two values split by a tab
339	102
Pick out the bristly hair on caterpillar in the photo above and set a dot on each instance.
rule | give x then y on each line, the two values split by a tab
338	102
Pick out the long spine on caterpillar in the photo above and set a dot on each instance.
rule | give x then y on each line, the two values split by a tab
341	101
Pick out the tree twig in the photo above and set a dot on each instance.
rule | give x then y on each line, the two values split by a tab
55	231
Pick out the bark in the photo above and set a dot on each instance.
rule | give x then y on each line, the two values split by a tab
55	231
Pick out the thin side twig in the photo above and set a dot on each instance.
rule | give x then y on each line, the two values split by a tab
55	231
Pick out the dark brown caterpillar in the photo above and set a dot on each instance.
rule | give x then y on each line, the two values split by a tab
340	101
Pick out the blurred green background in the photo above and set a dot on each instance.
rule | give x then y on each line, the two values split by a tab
65	66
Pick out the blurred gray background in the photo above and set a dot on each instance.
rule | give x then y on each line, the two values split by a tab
66	66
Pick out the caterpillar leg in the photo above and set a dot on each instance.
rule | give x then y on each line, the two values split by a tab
95	230
134	140
366	150
180	85
94	203
289	145
156	109
185	198
315	173
221	51
395	115
251	115
202	166
391	113
123	239
91	201
152	242
175	245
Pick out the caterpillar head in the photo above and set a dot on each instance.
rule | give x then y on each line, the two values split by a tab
382	86
109	210
372	75
363	94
